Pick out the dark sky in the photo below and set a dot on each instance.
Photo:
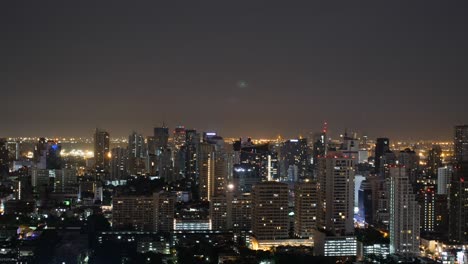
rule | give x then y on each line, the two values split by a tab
243	68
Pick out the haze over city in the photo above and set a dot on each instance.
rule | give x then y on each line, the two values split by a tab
242	68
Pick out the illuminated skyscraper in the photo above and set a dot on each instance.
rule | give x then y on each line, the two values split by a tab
336	193
137	154
404	215
458	197
179	137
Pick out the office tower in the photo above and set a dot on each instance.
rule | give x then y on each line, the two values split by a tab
444	177
305	208
137	152
458	196
461	144
270	211
53	158
245	177
206	164
404	214
119	164
219	213
179	137
134	212
336	193
382	146
101	151
410	161
165	203
4	158
161	137
434	160
295	152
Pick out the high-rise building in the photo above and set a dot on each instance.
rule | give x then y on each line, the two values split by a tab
179	137
305	209
219	213
102	153
119	164
434	160
336	193
270	211
410	161
240	212
458	196
295	152
404	214
134	212
382	145
426	199
164	211
161	137
4	158
461	144
137	153
206	164
458	201
444	176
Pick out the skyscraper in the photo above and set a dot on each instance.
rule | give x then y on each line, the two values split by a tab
137	153
102	153
179	137
382	145
161	137
119	164
336	193
270	211
206	164
458	197
4	158
404	214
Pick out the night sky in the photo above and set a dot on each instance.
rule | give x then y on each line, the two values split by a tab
242	68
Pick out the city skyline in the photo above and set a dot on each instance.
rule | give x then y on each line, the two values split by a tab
243	68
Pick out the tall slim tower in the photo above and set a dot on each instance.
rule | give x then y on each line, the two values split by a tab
404	214
458	219
102	153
